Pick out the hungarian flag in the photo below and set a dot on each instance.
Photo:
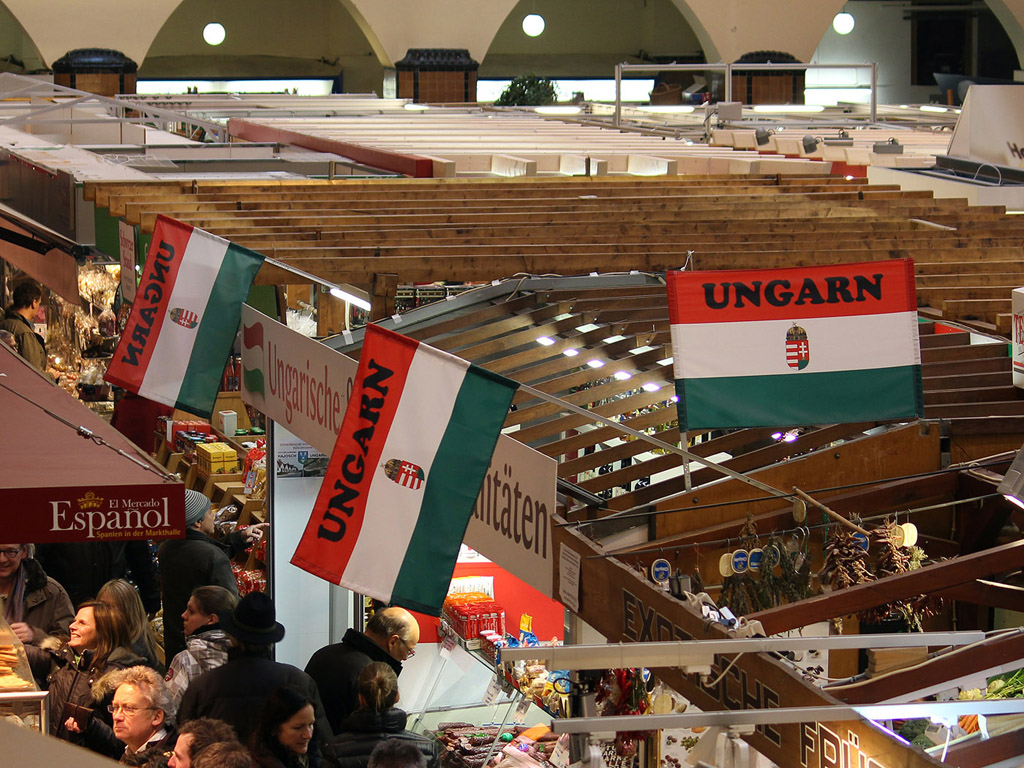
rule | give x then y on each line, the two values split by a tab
800	346
185	317
405	472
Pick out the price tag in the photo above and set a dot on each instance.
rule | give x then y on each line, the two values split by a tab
526	623
521	709
346	334
560	754
446	646
493	690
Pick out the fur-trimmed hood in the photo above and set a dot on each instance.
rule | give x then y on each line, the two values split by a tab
104	686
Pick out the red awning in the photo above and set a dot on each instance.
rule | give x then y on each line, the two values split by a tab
67	475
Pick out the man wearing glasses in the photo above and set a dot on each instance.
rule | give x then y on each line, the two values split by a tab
391	636
143	733
34	605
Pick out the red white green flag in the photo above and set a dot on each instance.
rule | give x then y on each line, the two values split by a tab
799	346
185	317
414	446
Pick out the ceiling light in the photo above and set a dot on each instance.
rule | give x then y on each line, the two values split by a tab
788	108
762	135
843	23
651	387
570	352
810	143
665	361
213	33
622	375
931	108
351	299
595	363
545	341
414	107
533	24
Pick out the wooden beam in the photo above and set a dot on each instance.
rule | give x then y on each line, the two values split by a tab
988	593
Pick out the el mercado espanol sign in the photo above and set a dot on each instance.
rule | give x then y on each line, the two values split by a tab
62	484
305	386
625	608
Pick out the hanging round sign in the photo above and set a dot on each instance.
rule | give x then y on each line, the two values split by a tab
755	559
661	570
799	510
862	541
772	555
897	535
909	534
740	561
725	564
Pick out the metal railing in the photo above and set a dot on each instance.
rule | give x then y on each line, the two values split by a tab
728	69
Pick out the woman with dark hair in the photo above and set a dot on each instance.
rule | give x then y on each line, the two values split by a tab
123	596
284	737
206	644
100	643
376	720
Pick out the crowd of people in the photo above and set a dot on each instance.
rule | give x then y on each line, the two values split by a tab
207	693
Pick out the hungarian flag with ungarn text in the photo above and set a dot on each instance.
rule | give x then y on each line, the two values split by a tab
414	446
185	316
798	346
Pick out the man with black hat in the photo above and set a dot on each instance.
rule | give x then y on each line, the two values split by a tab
198	560
236	691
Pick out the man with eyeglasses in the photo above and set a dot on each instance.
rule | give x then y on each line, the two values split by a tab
34	605
141	711
391	636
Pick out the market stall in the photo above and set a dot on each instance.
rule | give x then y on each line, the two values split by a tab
70	476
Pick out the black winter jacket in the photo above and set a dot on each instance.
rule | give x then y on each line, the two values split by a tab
335	670
236	692
195	561
70	681
364	729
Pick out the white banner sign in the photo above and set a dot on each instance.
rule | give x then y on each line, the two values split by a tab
305	385
126	249
988	129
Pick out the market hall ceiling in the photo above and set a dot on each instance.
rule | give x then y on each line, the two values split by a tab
967	258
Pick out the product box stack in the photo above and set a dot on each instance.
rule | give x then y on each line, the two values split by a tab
471	615
215	459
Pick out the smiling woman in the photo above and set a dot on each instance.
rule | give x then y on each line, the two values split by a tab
100	642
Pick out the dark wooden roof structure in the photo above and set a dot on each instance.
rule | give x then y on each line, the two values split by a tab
940	472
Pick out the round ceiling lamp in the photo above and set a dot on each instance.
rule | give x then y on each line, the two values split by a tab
843	23
213	33
533	24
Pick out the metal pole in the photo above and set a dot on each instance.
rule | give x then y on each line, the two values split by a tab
874	92
618	95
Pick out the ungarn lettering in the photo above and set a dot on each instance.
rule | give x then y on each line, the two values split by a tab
340	505
781	293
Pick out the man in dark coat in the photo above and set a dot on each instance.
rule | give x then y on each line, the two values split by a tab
391	636
34	605
18	319
237	691
198	560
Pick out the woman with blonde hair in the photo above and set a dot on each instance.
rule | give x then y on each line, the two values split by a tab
376	720
123	596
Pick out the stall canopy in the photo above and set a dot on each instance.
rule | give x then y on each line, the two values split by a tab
67	475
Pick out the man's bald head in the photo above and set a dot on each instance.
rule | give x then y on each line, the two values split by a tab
395	630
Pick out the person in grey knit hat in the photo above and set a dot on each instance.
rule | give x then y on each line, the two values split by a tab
198	560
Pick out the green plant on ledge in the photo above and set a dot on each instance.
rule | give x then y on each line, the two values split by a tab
528	91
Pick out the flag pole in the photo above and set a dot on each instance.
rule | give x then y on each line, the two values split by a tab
684	439
591	416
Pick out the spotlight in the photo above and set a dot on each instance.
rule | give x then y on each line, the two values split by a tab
1012	484
890	147
213	33
762	136
533	24
810	143
842	139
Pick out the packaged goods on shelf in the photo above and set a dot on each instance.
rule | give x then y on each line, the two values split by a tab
464	745
216	458
471	613
15	673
